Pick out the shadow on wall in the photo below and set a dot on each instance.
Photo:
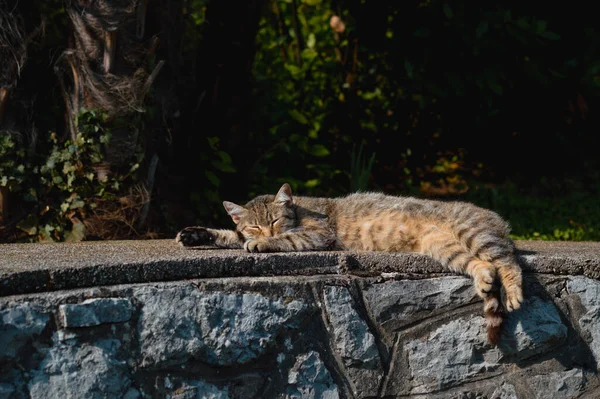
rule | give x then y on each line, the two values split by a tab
543	323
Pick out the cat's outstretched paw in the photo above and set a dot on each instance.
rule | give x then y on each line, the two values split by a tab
193	236
258	245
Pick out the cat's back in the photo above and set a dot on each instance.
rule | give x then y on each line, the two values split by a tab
358	204
376	221
372	204
378	209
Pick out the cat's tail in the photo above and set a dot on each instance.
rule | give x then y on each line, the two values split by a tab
494	316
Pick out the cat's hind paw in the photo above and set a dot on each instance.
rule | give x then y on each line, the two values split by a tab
193	236
483	276
512	280
514	297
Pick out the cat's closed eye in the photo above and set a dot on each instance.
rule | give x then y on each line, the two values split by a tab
274	222
252	229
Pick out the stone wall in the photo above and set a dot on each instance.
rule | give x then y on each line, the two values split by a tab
225	324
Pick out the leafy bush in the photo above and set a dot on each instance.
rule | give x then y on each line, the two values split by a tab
568	216
62	188
12	162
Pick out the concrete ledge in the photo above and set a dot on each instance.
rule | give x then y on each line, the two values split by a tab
29	268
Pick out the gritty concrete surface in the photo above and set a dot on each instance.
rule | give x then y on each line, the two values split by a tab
575	258
27	268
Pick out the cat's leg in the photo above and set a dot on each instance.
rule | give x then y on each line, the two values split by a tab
196	235
512	281
487	238
453	255
444	247
510	275
500	252
291	241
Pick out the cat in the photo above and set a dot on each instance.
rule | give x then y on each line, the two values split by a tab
464	238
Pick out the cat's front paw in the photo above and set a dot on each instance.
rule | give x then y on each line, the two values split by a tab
193	236
258	245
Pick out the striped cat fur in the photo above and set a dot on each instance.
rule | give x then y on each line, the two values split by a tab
464	238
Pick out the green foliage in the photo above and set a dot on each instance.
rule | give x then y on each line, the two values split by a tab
569	216
62	187
360	169
401	75
409	81
297	66
12	163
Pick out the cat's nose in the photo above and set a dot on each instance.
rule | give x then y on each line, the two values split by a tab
267	232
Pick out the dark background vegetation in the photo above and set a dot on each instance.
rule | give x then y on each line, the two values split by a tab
203	101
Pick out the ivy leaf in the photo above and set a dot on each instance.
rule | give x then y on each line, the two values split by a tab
312	183
310	43
223	166
294	70
28	225
298	116
224	157
212	178
213	142
319	150
77	204
77	232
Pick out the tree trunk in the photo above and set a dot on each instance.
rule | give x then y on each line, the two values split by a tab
106	70
13	51
109	69
3	190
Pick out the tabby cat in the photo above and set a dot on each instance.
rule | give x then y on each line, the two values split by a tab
466	239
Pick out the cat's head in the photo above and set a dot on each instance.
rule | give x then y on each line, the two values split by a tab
264	216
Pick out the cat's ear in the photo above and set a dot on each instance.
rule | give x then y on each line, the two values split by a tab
235	211
284	195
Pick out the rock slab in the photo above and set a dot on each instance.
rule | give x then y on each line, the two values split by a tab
310	379
398	303
81	371
96	311
451	354
558	385
353	341
218	328
19	325
588	291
